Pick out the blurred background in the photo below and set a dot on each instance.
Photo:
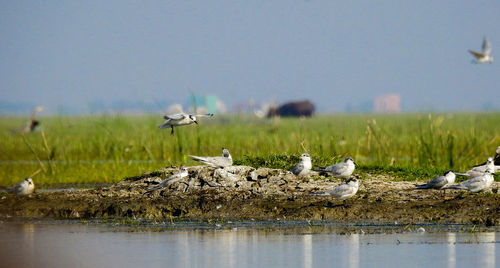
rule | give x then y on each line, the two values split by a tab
391	84
92	57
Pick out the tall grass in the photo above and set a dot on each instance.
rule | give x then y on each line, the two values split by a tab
104	149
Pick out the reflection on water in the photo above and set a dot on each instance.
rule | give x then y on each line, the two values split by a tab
451	240
76	245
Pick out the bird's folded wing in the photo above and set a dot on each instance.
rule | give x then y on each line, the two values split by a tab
341	190
297	168
198	158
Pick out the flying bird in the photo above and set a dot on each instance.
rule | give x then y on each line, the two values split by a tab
439	181
26	187
303	167
180	119
32	123
475	184
341	170
215	161
485	54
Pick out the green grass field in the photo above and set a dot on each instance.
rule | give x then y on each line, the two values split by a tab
105	149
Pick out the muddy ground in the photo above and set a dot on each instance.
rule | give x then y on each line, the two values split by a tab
243	193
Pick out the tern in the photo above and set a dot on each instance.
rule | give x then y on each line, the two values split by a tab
343	191
175	177
439	181
479	170
496	161
476	184
180	119
26	187
485	54
303	167
341	170
215	161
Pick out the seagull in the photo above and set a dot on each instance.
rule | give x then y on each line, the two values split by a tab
485	54
175	177
439	182
303	167
479	170
181	119
343	191
341	170
496	161
26	187
215	161
476	184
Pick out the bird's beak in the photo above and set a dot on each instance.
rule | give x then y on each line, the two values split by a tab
196	122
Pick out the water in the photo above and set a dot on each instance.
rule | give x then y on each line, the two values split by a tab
67	244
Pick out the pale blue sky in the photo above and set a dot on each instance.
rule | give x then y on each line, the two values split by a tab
331	52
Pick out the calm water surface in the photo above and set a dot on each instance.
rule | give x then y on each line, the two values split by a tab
98	245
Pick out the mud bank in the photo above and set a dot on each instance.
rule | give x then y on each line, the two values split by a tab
244	193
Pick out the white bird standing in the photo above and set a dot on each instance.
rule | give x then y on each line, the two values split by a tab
303	167
439	181
215	161
175	177
479	170
26	187
496	161
485	54
343	191
341	170
475	184
181	119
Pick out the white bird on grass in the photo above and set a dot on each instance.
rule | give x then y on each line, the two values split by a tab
26	187
215	161
180	119
341	170
439	182
175	177
476	184
479	170
485	54
303	167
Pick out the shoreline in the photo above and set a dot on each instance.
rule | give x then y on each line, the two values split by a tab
243	193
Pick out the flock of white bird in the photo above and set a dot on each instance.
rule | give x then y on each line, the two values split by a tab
480	177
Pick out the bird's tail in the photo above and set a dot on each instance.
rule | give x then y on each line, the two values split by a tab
422	186
320	169
461	174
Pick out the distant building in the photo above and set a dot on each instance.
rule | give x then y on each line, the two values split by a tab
390	103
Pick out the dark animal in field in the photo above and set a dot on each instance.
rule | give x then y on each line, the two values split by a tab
296	108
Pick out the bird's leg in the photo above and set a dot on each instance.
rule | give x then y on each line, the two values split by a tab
172	131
